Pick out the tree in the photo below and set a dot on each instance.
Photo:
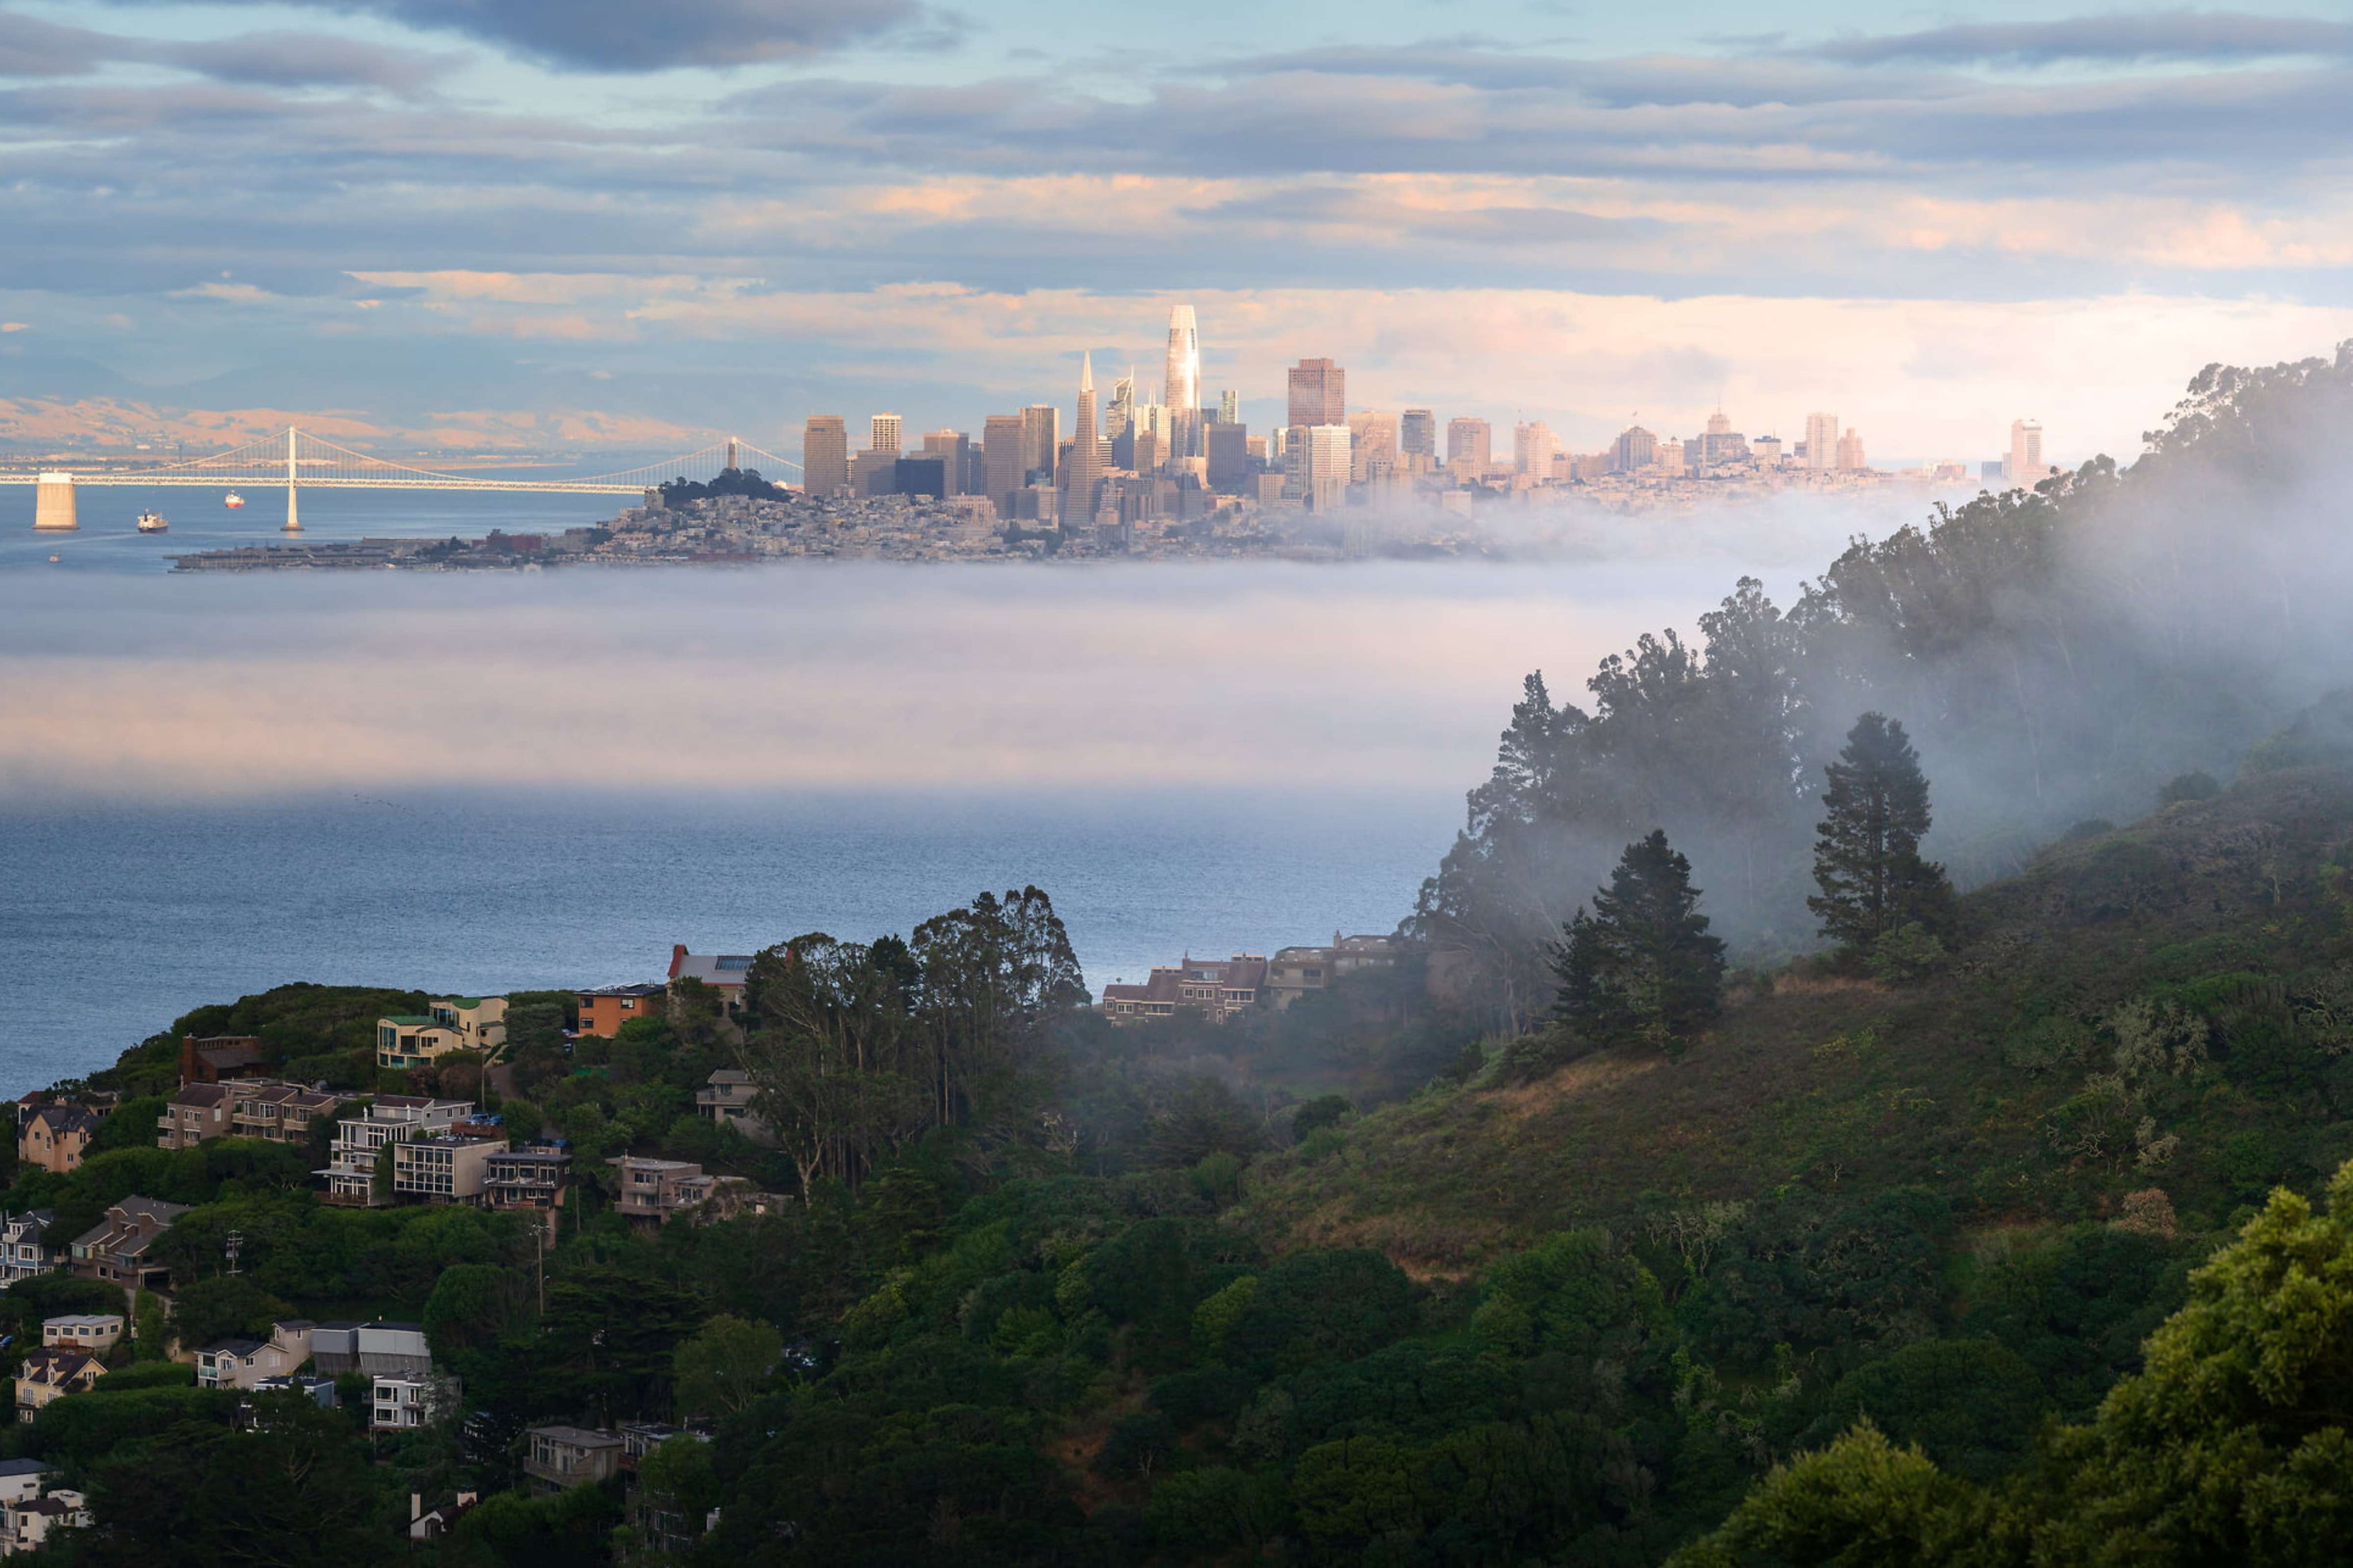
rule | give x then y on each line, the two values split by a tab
721	1370
1867	849
222	1307
1640	968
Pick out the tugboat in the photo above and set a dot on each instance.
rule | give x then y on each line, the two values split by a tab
151	523
232	501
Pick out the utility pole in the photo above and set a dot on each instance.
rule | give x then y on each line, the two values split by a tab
234	1242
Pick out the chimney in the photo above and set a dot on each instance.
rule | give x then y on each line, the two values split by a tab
415	1506
677	957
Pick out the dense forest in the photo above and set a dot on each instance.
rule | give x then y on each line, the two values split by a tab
1877	1090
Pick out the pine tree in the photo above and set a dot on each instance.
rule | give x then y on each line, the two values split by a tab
1640	968
1867	850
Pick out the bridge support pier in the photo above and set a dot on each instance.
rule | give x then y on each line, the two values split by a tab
53	504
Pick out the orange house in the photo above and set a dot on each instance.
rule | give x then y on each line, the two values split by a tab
604	1012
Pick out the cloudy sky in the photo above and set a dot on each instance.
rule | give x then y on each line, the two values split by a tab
624	222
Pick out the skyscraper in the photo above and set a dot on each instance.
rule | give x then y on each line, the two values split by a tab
1003	456
953	448
1822	440
1318	394
2026	467
1468	443
1120	412
1850	450
1086	453
1532	449
1372	444
883	434
1634	451
1041	438
1418	434
825	454
1328	464
1229	407
1181	389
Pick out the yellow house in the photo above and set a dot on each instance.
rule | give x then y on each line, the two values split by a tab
450	1023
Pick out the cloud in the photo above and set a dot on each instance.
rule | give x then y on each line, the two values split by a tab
308	59
639	36
2121	38
15	326
32	47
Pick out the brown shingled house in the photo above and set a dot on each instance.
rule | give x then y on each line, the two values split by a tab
1214	988
220	1059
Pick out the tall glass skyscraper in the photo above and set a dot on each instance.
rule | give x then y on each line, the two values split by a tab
1182	388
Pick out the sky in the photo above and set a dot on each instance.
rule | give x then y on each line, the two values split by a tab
610	222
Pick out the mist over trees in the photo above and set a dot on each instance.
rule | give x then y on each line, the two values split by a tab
2055	655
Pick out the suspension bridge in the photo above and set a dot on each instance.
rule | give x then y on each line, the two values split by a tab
298	459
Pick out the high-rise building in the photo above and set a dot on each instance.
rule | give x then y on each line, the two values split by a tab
1822	440
2026	467
1532	449
1372	444
1002	454
883	434
1120	411
1327	467
1721	446
1181	389
825	455
953	448
1670	458
1085	469
1468	443
1229	407
1041	438
1418	434
1634	451
1850	451
1318	394
1228	444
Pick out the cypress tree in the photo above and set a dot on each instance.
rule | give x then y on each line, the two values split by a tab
1640	968
1867	850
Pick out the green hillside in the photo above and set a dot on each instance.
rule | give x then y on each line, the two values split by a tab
2216	926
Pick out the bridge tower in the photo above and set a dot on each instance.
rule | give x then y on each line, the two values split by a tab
294	518
53	504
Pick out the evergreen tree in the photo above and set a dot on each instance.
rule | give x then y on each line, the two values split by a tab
1640	968
1867	850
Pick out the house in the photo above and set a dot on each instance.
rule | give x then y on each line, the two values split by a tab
114	1251
1296	970
558	1459
199	1111
724	972
533	1177
97	1332
55	1137
20	1479
651	1190
725	1099
446	1168
359	1141
24	1247
448	1024
603	1012
247	1364
48	1375
398	1402
1215	989
432	1524
277	1113
25	1526
319	1391
219	1059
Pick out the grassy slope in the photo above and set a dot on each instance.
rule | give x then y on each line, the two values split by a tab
1848	1086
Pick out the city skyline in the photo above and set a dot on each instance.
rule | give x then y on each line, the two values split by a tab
451	226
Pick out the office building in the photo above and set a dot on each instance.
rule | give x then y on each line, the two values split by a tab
883	434
1228	444
1042	438
1120	412
954	450
1850	451
1533	448
1328	467
1468	443
1372	446
825	455
1003	442
1085	471
1721	446
1822	441
2026	467
1229	407
1634	451
1318	394
1181	389
1417	435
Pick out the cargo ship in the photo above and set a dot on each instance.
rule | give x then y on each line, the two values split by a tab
151	523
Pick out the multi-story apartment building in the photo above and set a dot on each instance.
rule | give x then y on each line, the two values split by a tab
361	1140
199	1111
444	1167
114	1251
1296	970
277	1113
651	1190
535	1177
25	1250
